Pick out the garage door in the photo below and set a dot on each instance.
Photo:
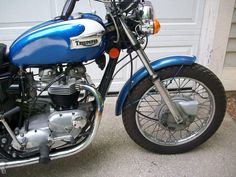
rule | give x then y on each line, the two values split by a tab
181	22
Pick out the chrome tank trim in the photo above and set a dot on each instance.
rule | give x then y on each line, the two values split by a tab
72	151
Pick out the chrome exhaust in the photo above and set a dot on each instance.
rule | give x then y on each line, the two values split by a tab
69	152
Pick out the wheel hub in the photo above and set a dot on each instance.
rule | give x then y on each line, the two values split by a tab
166	118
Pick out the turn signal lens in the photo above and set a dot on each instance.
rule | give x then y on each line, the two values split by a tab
114	53
156	26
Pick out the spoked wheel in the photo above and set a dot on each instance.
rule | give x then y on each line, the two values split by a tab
200	98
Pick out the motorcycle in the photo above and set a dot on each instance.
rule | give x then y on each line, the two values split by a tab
171	105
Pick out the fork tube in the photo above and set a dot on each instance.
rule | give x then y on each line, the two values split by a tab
156	81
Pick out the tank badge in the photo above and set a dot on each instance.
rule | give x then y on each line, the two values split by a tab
85	42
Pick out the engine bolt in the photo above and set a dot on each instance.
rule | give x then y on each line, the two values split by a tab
4	140
14	154
9	148
17	131
2	146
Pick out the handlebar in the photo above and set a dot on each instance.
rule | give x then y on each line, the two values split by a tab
126	6
68	9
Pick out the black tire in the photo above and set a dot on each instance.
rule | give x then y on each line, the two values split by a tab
196	72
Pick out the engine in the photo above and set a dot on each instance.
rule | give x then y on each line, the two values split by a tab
66	117
63	92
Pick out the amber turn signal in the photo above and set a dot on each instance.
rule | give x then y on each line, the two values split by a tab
156	26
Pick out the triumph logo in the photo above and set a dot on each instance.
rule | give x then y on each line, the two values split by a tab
85	42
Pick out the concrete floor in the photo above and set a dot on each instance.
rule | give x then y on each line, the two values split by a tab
113	154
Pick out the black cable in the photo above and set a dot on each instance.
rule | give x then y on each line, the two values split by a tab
131	71
89	63
124	66
122	58
128	61
128	54
147	116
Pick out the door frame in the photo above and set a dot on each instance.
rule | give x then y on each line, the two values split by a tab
214	39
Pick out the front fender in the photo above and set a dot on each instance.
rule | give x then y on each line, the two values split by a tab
142	73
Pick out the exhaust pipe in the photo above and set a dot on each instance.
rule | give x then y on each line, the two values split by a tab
69	152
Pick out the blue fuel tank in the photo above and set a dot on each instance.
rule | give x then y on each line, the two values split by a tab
58	41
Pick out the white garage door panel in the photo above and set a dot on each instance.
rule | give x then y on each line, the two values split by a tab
181	17
24	11
11	33
180	10
83	6
18	16
159	52
180	32
175	40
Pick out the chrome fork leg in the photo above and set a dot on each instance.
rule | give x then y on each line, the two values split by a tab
144	58
162	90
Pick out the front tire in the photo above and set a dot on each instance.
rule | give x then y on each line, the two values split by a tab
149	123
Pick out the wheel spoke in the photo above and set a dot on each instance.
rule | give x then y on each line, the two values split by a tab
155	99
197	124
172	135
149	104
149	126
154	128
204	102
161	130
185	83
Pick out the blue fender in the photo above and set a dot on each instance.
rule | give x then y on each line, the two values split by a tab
142	73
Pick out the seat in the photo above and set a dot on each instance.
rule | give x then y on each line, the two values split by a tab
4	61
3	50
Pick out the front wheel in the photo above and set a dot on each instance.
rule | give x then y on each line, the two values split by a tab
149	122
